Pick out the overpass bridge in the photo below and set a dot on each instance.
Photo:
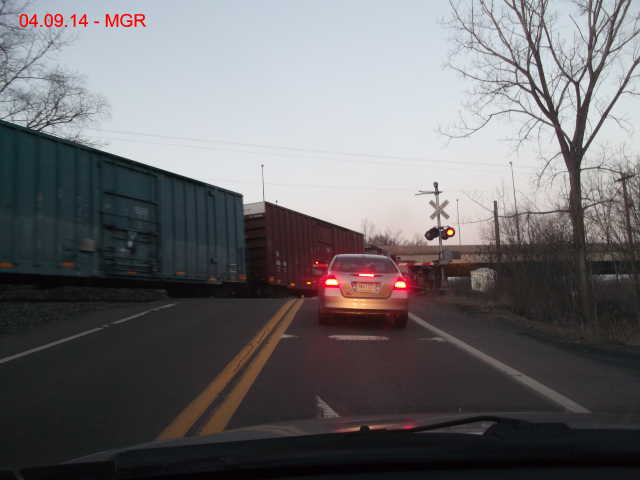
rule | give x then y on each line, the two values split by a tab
464	258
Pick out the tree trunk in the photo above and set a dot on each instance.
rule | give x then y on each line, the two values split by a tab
583	273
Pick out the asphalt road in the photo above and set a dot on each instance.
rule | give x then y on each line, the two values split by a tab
201	366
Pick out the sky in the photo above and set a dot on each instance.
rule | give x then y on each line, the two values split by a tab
341	101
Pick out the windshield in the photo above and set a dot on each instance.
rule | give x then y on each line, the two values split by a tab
230	214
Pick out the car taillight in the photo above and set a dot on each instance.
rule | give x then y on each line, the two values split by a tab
400	284
370	275
331	282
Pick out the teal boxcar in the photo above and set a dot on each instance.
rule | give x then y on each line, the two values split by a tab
70	211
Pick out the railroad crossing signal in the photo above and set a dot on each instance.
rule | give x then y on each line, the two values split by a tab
444	233
437	231
432	233
439	209
447	233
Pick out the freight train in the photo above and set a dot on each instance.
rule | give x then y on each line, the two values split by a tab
290	250
74	214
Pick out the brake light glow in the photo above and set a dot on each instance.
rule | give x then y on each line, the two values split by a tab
331	282
370	275
400	284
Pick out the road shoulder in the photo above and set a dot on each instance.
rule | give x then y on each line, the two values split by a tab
602	380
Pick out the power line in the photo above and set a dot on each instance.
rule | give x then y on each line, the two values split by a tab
476	202
306	185
281	154
413	160
323	186
477	221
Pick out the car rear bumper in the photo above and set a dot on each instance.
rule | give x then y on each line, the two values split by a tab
398	302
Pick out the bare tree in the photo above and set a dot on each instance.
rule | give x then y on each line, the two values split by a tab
560	74
615	221
388	237
34	91
368	229
416	241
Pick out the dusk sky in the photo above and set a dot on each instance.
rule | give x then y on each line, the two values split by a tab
340	100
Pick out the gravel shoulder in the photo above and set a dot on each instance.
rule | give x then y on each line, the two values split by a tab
19	317
24	308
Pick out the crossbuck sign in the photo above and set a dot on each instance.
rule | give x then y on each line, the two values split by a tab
439	210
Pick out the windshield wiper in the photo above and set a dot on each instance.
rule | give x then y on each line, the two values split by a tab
502	427
468	420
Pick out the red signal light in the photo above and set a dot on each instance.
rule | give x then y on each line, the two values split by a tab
450	231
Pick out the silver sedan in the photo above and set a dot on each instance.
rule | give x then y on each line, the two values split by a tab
370	285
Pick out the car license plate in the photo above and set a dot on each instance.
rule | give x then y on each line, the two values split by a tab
368	287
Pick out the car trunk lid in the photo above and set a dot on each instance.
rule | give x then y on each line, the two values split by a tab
366	285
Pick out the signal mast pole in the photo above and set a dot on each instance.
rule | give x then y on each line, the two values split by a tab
437	193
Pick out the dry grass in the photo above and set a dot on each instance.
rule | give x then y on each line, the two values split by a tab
613	330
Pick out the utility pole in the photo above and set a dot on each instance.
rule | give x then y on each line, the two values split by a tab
631	246
437	194
496	224
515	205
458	210
262	169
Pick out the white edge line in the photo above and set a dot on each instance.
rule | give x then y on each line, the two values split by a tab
126	319
78	335
518	376
162	307
325	409
137	315
49	345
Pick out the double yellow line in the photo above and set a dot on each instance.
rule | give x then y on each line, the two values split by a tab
269	335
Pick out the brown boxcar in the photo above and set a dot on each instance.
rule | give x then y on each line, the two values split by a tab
288	249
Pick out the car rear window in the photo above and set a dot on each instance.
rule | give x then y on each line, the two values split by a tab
356	264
